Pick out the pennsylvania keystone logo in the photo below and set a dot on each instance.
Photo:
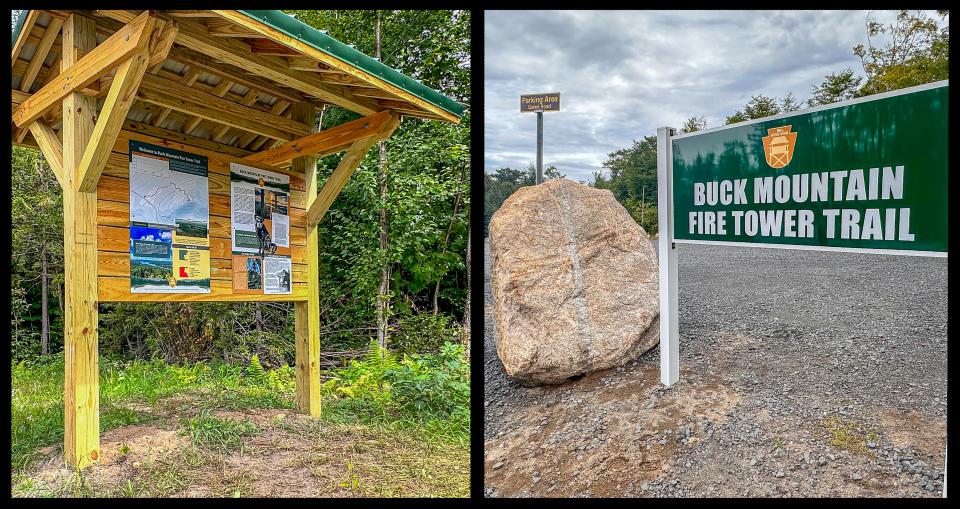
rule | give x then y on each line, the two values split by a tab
778	146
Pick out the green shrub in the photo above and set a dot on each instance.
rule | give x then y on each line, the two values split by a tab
431	390
432	385
423	333
365	380
255	372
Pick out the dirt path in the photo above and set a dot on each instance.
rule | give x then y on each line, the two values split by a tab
282	454
802	374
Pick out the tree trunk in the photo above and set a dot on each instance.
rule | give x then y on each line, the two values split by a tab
44	311
383	299
466	307
446	238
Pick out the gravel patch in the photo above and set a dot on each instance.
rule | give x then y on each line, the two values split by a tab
803	373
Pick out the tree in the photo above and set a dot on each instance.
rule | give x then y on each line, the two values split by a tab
405	256
916	52
37	233
383	296
789	103
758	106
835	87
633	172
465	333
693	124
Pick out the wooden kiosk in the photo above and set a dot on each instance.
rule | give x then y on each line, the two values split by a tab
223	87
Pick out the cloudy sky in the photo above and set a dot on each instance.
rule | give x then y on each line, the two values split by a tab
622	74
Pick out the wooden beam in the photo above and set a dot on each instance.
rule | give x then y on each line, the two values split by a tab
340	176
48	73
304	48
257	141
224	111
51	147
305	64
115	50
224	71
320	144
238	54
307	313
248	100
35	34
81	419
21	134
18	97
220	90
192	14
122	93
188	79
119	15
219	27
43	49
191	101
162	42
25	32
166	134
268	47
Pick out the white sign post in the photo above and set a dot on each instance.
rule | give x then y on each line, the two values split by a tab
669	321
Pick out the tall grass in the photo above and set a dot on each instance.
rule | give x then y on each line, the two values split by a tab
428	393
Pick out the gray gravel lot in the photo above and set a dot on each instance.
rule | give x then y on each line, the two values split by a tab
802	374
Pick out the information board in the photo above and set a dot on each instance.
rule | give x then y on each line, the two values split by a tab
164	216
169	221
260	230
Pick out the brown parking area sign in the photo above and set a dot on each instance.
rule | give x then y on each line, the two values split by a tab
540	102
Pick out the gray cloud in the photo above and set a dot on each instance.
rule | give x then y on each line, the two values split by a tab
622	74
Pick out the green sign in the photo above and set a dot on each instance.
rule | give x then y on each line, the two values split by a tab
864	174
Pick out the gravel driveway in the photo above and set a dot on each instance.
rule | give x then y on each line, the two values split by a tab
802	373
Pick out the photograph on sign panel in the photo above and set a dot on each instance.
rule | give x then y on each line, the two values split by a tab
240	253
719	269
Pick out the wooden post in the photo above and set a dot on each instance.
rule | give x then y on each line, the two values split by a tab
307	314
81	421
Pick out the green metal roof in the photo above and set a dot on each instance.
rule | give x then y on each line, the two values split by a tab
19	27
323	42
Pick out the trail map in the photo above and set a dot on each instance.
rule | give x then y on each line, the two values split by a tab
169	221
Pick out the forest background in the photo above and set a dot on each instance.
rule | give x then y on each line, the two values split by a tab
392	246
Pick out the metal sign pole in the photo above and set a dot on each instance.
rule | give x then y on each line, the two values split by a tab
669	320
540	147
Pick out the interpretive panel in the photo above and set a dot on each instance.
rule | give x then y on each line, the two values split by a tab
169	221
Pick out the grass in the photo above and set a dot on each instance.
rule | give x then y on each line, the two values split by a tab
848	435
222	435
427	449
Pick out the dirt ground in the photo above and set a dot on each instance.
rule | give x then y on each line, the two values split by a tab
802	374
289	455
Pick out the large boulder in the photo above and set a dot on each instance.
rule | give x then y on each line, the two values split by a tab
574	283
